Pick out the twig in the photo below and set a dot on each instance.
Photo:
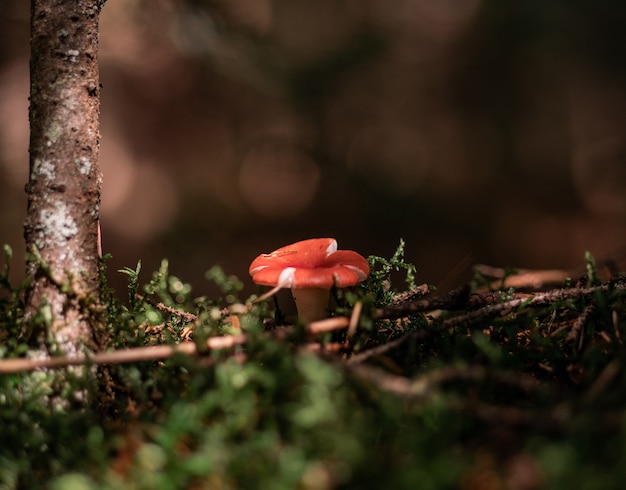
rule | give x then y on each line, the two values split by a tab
604	380
331	347
354	319
136	354
422	388
458	299
523	279
454	300
615	321
155	352
328	324
383	348
489	304
423	385
269	293
549	421
391	383
574	336
188	317
411	294
536	300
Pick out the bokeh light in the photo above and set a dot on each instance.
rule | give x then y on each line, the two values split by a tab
477	130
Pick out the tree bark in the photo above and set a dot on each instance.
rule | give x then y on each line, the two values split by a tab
62	223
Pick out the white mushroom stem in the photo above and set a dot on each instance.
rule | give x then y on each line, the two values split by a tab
312	303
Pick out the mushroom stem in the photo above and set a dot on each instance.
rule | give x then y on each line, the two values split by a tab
311	303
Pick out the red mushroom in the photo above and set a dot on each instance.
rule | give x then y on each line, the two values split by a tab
310	268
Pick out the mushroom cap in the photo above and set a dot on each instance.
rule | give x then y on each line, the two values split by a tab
314	263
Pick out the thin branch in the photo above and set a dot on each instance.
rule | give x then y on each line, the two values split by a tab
419	388
328	324
531	301
549	421
574	336
411	294
523	279
423	385
355	317
188	317
488	303
454	300
604	380
156	352
384	348
269	293
136	354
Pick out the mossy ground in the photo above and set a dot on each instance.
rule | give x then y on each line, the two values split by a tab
490	389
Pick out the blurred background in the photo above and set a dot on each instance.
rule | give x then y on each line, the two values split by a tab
479	131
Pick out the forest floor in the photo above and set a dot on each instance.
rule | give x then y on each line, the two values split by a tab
514	381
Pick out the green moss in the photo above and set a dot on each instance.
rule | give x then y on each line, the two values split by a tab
492	393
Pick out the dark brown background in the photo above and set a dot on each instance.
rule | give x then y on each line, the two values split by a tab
479	131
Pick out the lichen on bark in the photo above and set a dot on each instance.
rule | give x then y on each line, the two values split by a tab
62	223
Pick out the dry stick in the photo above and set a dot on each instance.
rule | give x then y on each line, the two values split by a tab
398	385
489	303
150	353
523	278
549	421
188	317
330	347
423	385
185	315
154	352
536	300
328	324
491	308
354	319
191	317
529	278
411	294
383	348
604	380
615	320
268	294
575	335
453	300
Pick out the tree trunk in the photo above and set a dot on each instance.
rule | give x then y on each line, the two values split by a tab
62	223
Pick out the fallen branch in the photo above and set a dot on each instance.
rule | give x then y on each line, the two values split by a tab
489	303
548	421
523	279
384	348
575	335
136	354
411	294
156	352
424	385
454	300
328	324
604	380
529	301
